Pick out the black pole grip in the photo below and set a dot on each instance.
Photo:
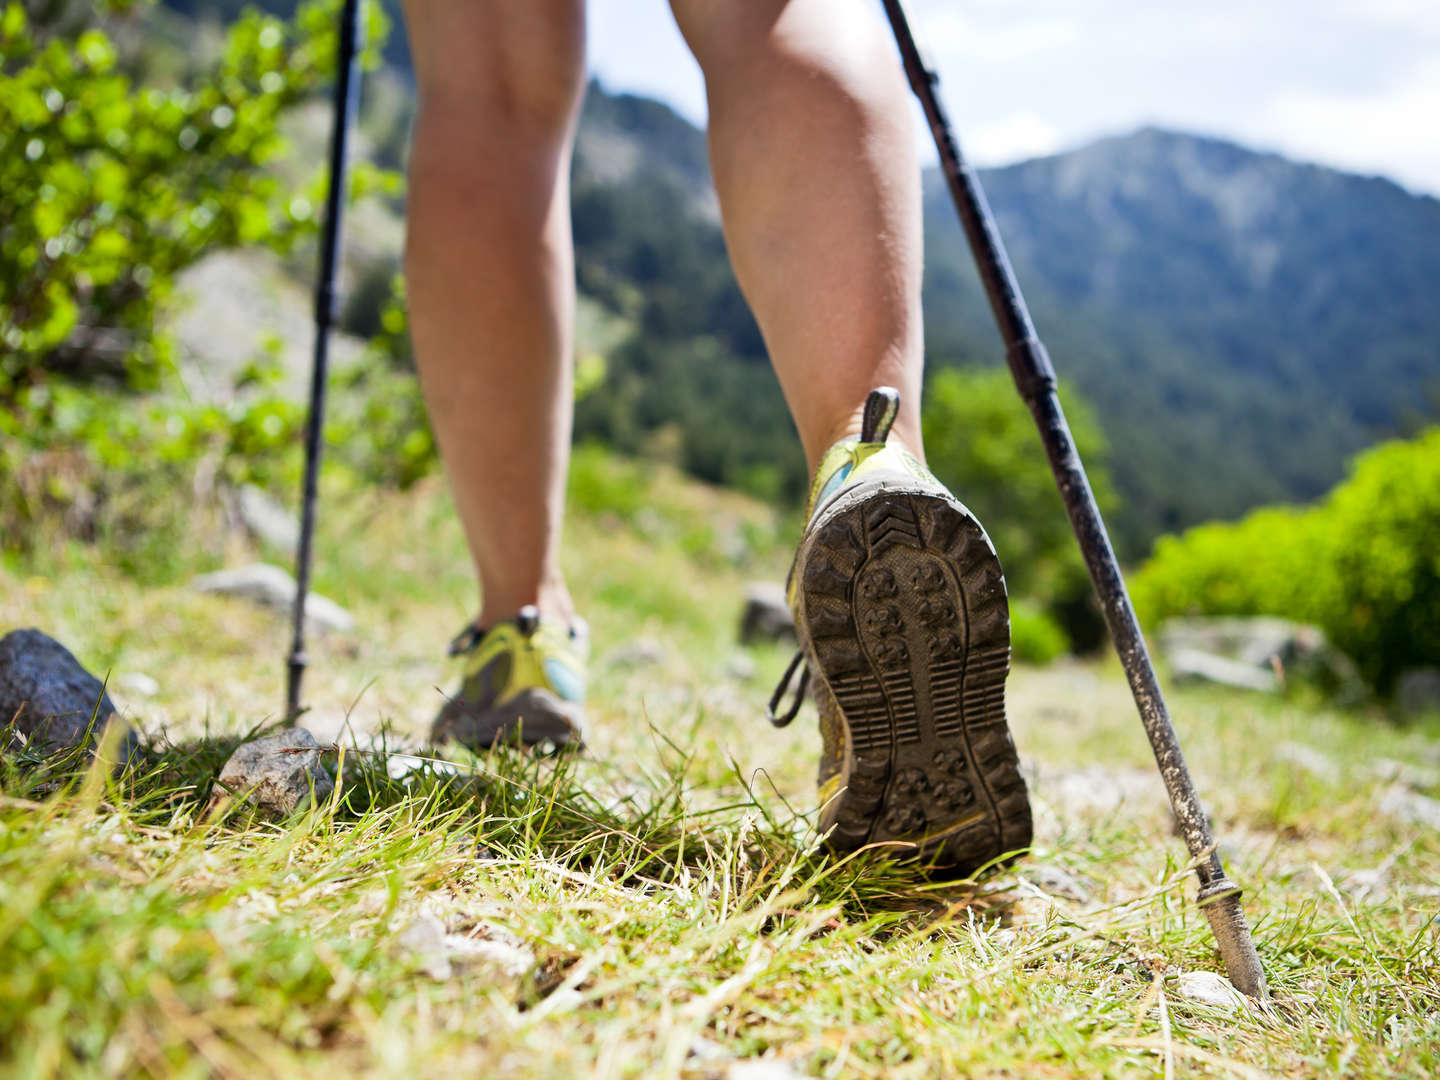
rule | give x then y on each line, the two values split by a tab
346	102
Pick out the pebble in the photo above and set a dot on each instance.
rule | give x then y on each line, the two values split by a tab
272	587
440	953
1411	807
276	773
766	616
136	684
640	652
1208	988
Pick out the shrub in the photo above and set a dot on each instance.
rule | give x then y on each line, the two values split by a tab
1364	564
1035	638
108	189
981	442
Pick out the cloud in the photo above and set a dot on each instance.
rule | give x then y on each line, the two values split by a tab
1016	136
1395	131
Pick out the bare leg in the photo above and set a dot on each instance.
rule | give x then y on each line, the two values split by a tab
819	184
490	274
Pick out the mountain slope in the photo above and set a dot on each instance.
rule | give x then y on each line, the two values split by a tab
1242	322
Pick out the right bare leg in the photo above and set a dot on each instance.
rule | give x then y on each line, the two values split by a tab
490	276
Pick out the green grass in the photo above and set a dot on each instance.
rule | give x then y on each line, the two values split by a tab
659	906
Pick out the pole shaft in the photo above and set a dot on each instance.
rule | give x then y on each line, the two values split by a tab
347	97
1035	378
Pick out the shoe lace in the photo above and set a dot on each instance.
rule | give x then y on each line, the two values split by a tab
783	719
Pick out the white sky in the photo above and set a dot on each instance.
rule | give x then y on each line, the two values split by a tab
1350	83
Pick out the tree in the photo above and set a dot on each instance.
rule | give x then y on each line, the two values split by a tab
981	442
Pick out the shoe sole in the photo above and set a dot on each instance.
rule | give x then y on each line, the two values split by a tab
905	613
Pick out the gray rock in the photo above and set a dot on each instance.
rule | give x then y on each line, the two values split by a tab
135	684
235	304
1191	665
272	587
49	695
1308	759
1262	644
1056	881
741	667
766	616
1417	692
276	773
1209	989
1096	789
640	652
1411	807
1416	777
438	953
1371	886
266	520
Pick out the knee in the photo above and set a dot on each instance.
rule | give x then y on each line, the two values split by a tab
834	43
514	77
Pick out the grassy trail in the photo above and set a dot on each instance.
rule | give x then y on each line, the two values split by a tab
658	907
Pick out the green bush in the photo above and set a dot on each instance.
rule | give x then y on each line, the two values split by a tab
111	470
1364	564
108	188
981	442
1035	637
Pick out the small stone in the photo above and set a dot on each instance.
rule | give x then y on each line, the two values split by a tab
276	773
1260	653
641	652
1208	988
1308	759
766	616
1368	886
270	586
136	684
1411	807
424	939
1408	774
703	1049
1095	788
49	696
1056	881
741	667
1417	692
439	953
266	520
1192	665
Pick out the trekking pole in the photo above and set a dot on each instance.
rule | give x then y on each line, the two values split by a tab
347	96
1219	897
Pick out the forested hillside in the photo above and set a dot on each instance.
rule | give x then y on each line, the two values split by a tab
1242	323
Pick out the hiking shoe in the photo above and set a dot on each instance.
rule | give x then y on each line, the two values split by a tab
522	682
900	608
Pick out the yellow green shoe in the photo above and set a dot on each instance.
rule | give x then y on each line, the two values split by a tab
900	608
522	682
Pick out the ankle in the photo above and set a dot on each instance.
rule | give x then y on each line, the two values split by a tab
901	435
552	598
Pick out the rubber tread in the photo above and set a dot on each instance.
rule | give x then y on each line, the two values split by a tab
905	619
